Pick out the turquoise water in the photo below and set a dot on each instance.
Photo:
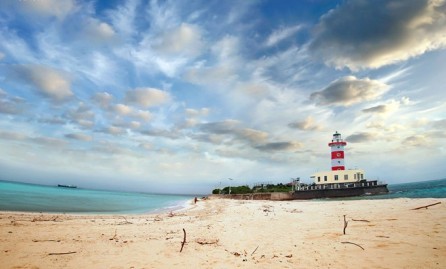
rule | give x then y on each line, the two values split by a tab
422	189
36	198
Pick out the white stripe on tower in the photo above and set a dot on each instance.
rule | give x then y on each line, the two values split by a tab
337	152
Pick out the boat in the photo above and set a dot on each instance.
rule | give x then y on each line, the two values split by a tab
67	186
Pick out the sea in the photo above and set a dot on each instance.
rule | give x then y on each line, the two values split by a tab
37	198
26	197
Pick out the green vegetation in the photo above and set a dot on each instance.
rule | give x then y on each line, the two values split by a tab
260	188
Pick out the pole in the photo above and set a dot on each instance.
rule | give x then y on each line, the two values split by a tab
230	185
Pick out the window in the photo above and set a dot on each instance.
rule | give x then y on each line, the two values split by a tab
318	179
325	178
345	177
336	177
355	176
362	176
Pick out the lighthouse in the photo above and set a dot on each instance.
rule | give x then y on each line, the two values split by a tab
337	152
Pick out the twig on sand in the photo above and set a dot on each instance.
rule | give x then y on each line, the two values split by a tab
207	242
62	253
114	236
346	242
426	206
363	220
184	240
254	250
345	224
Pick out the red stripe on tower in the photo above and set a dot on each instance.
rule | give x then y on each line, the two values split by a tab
337	152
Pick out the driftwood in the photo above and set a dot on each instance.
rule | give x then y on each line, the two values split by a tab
345	224
346	242
184	240
426	206
62	253
207	242
48	240
363	220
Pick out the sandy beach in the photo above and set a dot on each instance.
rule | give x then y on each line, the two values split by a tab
224	233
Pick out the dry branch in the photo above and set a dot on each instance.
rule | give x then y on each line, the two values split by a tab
346	242
207	242
426	206
62	253
114	236
345	224
363	220
254	250
184	240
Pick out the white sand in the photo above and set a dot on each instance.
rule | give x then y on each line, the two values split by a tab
234	234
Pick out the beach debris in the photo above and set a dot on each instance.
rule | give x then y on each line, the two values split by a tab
48	240
114	236
363	220
43	218
345	224
206	241
125	222
346	242
62	253
254	250
426	206
289	256
184	240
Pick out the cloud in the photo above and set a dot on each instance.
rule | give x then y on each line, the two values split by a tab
185	40
349	90
370	34
360	137
2	55
12	105
279	146
57	8
306	125
279	35
49	82
122	109
416	141
78	136
147	97
98	32
12	136
103	99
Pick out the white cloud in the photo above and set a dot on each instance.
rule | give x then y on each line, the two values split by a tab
122	109
97	31
47	81
308	124
370	34
147	97
281	34
349	90
58	8
184	40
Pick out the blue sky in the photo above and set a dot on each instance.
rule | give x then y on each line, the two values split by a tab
178	96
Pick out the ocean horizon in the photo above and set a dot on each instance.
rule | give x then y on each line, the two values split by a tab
28	197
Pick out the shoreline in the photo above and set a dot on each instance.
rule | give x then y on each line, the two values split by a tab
224	233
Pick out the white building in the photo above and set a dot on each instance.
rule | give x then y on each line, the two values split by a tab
338	176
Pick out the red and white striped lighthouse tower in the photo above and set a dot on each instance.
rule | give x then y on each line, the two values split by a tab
337	152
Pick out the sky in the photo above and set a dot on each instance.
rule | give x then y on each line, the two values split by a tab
180	96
